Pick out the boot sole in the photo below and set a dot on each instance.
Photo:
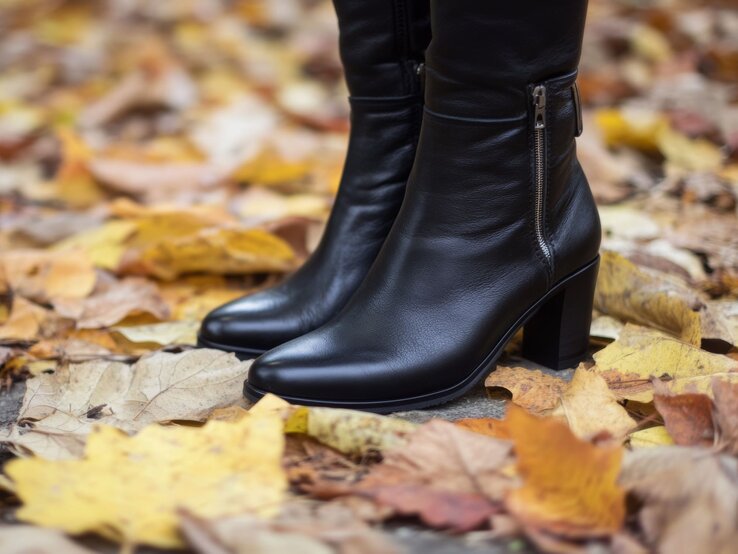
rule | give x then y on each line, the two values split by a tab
447	395
241	353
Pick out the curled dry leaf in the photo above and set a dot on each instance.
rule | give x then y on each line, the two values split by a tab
653	436
301	526
42	275
113	303
165	333
647	297
533	390
129	489
447	476
689	497
589	407
640	354
219	251
726	413
60	409
569	485
29	321
687	418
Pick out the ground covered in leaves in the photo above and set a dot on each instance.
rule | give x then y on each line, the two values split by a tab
161	158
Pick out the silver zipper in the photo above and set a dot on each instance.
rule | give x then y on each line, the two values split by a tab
539	146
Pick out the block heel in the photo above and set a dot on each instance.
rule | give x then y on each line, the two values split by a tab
557	336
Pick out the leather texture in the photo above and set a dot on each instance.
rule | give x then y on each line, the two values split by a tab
381	46
462	262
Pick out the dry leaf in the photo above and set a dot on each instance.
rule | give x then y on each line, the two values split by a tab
165	333
113	303
569	486
533	390
687	418
646	297
449	477
726	413
304	527
129	489
640	354
589	407
28	321
59	410
25	539
689	496
653	436
491	427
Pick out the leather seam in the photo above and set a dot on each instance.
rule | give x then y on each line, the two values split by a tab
459	119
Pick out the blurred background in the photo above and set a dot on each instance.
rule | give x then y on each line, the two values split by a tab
190	149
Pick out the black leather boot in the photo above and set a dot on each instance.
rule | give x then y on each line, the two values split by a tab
382	47
498	228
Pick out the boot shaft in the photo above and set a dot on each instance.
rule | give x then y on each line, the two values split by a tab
485	53
382	44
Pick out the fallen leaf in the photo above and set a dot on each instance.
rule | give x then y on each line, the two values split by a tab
303	526
489	426
129	489
569	485
219	251
26	539
165	333
42	275
113	303
646	297
689	498
653	436
589	407
60	410
533	390
726	413
29	321
687	418
640	354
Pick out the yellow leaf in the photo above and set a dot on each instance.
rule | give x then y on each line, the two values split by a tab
640	354
103	245
632	294
700	384
569	486
165	333
130	489
28	321
654	436
589	407
631	127
43	275
219	251
533	390
349	431
687	153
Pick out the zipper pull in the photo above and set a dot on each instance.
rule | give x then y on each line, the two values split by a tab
420	73
539	103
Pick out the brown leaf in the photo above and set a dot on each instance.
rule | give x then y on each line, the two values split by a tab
451	478
533	390
687	417
569	486
113	303
489	426
28	321
726	413
689	497
301	526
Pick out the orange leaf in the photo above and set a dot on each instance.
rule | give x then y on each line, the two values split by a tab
687	418
569	485
485	426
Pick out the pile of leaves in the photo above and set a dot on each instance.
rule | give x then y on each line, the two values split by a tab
159	159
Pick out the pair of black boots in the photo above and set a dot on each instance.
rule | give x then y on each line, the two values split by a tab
463	213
